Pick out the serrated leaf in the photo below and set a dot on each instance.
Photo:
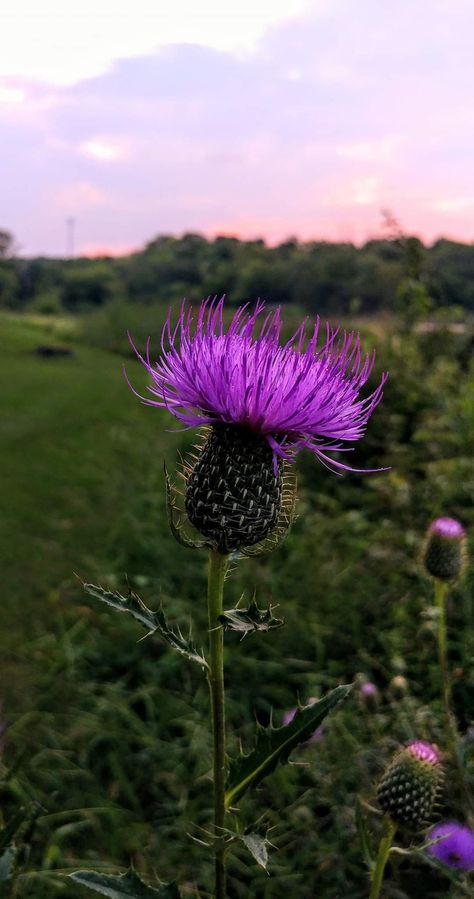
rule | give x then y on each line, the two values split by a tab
154	622
257	846
274	744
20	826
7	865
12	828
364	836
248	621
123	886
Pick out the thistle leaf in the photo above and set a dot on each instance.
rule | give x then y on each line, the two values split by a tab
123	886
257	846
154	622
248	621
274	744
7	865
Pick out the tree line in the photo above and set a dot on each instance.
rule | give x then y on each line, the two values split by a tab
323	277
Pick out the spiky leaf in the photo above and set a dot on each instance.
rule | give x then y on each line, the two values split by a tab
257	846
248	621
123	886
273	745
154	622
7	865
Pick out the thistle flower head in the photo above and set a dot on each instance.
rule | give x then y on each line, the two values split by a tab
410	785
444	549
456	848
264	401
294	395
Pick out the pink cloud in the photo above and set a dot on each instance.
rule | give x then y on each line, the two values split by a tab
332	118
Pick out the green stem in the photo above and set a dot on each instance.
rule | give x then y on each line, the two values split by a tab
385	846
215	589
440	600
441	590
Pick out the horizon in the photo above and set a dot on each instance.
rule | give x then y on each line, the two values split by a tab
101	252
263	121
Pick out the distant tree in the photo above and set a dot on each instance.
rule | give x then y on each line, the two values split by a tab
9	286
450	271
7	244
89	284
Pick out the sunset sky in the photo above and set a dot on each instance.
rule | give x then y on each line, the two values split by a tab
249	117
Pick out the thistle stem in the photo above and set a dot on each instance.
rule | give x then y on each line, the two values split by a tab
451	727
440	600
385	846
215	588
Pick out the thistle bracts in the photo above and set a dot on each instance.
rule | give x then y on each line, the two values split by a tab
444	549
234	491
410	786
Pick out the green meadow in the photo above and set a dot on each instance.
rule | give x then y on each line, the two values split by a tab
107	733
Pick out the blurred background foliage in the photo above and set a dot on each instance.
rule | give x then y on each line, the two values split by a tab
104	737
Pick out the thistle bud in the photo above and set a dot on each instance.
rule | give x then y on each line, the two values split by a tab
444	549
410	785
234	492
369	696
398	686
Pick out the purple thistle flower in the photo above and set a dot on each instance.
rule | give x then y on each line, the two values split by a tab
264	402
449	528
295	395
424	752
456	849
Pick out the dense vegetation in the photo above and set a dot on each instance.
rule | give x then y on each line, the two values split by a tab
106	733
321	277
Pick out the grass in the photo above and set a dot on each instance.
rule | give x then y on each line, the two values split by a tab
75	444
115	728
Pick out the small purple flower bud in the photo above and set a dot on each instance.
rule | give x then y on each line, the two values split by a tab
444	549
424	752
368	689
410	785
456	849
368	695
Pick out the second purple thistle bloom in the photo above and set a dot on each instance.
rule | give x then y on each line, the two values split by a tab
264	402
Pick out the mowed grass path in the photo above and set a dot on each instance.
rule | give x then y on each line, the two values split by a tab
75	447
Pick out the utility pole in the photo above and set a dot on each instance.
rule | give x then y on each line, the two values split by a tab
70	236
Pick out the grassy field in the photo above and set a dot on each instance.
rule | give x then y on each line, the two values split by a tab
108	733
76	449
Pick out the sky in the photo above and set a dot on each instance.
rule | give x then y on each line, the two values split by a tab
256	118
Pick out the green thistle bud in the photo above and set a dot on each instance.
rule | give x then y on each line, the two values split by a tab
444	549
409	787
234	492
